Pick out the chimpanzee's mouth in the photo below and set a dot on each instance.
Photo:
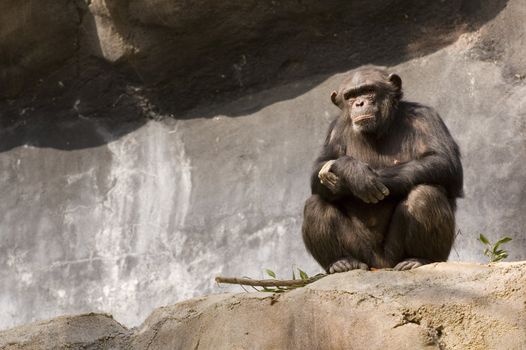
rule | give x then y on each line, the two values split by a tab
362	117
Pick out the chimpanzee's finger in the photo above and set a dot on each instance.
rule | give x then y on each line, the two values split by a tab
375	192
325	168
332	179
382	188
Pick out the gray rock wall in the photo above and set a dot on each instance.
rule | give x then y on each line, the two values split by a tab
111	203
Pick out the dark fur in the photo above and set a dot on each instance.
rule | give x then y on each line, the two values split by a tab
412	153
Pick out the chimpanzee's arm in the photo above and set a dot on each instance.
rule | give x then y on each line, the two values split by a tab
434	168
329	152
438	165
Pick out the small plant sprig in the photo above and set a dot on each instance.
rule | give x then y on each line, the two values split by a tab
273	285
494	251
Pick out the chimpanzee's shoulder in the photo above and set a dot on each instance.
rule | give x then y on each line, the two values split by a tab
420	111
416	108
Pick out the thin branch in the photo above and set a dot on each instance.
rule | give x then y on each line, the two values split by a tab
267	282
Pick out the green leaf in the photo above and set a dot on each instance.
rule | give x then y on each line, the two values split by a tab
270	273
494	251
483	239
303	275
500	256
504	240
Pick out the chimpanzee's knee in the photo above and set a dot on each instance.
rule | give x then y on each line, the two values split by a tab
321	224
430	221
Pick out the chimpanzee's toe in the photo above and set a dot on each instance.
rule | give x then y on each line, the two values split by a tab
347	264
410	264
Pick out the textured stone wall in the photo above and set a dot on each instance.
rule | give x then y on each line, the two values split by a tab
116	198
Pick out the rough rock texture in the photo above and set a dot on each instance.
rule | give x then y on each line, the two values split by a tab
439	306
190	53
118	198
89	331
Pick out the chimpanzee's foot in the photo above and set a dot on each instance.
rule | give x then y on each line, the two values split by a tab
410	264
347	264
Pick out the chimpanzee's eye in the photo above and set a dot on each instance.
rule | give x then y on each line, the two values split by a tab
369	91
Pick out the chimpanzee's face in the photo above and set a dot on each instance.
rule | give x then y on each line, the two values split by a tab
363	108
368	98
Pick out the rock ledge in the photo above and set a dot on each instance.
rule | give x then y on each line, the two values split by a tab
439	306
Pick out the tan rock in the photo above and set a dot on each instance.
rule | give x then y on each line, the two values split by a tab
439	306
66	332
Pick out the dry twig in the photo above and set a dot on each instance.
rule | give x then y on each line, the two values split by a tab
268	282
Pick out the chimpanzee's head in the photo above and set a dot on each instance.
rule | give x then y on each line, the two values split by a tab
369	98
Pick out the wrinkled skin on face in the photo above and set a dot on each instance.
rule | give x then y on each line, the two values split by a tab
368	99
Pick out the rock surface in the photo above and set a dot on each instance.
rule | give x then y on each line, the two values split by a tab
439	306
118	198
88	331
190	53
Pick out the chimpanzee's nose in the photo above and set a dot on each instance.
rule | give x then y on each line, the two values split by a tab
359	103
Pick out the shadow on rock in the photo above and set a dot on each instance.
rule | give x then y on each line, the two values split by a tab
185	61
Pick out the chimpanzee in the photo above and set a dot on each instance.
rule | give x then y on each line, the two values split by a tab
384	188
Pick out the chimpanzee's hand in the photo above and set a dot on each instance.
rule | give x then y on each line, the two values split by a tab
328	179
361	180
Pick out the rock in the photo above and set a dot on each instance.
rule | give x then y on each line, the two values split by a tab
438	306
115	195
194	52
88	331
35	38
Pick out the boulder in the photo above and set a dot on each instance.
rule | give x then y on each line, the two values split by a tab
438	306
86	331
189	53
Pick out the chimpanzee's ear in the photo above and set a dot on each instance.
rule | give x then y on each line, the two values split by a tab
395	80
337	99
